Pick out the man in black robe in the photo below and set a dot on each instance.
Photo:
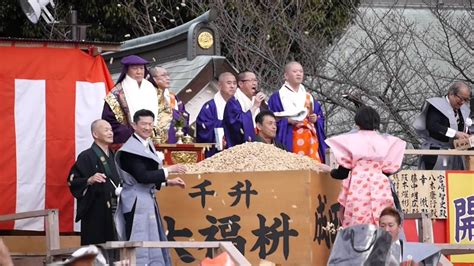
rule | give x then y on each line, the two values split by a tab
442	120
93	181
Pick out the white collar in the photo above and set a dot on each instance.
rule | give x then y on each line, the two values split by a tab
220	105
145	142
245	102
141	96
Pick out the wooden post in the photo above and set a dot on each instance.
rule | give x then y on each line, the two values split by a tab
427	226
51	229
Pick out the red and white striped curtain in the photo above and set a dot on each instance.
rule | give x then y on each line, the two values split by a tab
48	98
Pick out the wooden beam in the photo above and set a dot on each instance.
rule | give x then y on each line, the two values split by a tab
456	249
24	215
128	248
438	152
444	261
234	253
51	228
427	225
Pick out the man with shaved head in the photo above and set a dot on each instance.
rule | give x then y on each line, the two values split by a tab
209	121
442	120
300	126
93	181
171	111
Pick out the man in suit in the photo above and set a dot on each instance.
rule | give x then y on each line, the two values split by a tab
140	167
441	121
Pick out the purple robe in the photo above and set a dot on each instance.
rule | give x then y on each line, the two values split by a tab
206	121
121	131
176	114
238	125
285	130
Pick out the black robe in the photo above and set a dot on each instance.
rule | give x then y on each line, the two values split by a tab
437	125
94	202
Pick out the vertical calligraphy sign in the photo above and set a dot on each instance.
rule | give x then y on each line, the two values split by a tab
276	216
422	191
460	187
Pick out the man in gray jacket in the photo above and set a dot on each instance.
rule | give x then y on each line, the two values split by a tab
442	120
140	167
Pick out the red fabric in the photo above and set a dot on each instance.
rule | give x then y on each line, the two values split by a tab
61	68
7	148
439	230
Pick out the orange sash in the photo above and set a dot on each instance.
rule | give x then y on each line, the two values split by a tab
305	138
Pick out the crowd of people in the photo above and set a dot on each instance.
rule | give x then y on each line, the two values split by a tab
115	190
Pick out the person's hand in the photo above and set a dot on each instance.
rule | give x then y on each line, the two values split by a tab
313	118
96	178
176	182
177	168
461	135
258	99
325	168
409	262
295	123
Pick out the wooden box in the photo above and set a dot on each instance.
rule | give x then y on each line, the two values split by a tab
276	216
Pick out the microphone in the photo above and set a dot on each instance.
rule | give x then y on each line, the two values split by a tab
263	104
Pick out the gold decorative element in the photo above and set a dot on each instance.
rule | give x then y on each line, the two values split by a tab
114	105
205	40
187	139
184	157
155	137
165	117
179	135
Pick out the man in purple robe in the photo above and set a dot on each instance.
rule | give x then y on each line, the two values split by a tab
241	109
209	120
171	111
299	114
132	92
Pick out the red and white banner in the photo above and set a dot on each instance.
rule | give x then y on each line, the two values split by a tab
48	98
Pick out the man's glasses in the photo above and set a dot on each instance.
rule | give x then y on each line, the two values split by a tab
466	100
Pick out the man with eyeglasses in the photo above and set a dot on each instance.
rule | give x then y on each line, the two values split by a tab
241	110
171	110
442	120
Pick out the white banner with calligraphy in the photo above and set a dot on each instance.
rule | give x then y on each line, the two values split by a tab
422	191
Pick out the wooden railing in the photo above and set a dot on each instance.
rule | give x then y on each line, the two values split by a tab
128	249
438	152
51	226
425	232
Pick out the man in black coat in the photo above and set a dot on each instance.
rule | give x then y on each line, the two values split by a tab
442	120
93	181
